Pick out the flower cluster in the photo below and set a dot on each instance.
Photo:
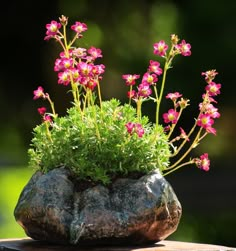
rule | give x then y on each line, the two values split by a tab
207	111
76	67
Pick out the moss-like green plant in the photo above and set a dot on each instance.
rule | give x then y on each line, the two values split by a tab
73	143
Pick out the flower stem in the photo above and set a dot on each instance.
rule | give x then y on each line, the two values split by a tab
195	142
166	67
179	166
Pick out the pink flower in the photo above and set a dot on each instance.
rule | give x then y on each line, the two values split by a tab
47	118
42	110
79	52
149	78
131	94
154	66
205	121
203	162
52	29
135	127
160	48
139	130
173	96
58	66
213	88
85	69
144	90
171	116
130	126
39	93
130	79
184	48
91	84
211	100
79	27
75	74
67	63
98	69
211	110
64	77
211	130
95	53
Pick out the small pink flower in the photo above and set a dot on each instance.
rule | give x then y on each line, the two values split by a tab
130	79
144	90
47	118
58	66
139	130
79	27
52	29
131	94
135	128
130	126
203	162
160	48
211	130
91	84
67	54
213	88
171	116
173	96
75	74
149	78
66	63
210	99
64	77
211	110
98	69
205	121
39	93
42	110
154	66
184	48
95	53
85	68
79	52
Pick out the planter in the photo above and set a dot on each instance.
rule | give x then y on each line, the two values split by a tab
52	207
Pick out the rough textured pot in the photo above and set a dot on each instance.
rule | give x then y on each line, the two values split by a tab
130	211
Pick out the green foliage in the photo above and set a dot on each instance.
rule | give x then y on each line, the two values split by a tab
96	145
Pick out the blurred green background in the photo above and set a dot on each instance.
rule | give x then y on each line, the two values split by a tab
125	31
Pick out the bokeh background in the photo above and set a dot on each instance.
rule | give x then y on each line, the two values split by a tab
125	31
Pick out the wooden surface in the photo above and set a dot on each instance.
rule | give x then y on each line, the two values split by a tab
28	244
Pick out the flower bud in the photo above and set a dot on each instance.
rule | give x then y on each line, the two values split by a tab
174	39
183	103
63	20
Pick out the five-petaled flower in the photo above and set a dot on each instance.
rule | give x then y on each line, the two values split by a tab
130	79
203	162
39	93
160	48
79	27
171	116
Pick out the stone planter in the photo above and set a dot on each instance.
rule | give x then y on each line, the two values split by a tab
130	211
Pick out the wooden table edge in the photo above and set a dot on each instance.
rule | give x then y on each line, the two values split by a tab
28	244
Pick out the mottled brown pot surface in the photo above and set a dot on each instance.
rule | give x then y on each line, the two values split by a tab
130	211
